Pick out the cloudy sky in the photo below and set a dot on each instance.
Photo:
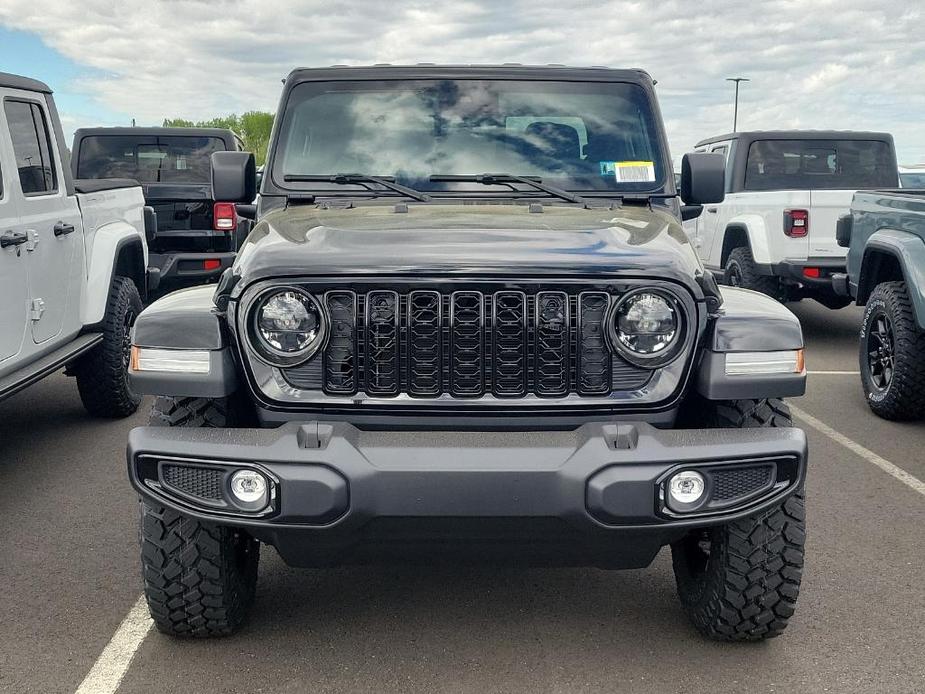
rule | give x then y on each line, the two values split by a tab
845	64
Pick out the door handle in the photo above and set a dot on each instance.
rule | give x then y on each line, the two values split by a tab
711	210
13	238
63	229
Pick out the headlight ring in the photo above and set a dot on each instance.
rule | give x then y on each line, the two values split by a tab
647	327
286	326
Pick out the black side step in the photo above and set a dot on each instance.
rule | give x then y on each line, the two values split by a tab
37	370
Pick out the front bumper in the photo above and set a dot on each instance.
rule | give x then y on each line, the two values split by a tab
593	495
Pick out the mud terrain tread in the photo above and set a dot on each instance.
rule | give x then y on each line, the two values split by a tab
750	277
102	374
905	397
199	579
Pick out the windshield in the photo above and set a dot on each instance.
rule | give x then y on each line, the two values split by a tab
819	165
173	159
573	135
912	180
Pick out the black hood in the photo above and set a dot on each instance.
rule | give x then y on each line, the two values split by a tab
469	241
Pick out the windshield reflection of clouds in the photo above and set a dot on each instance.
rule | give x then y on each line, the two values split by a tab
413	131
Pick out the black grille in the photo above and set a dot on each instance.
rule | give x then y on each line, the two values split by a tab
740	482
593	353
340	355
382	357
201	482
508	343
509	332
425	343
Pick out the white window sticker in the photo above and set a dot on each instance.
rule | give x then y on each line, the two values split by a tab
634	171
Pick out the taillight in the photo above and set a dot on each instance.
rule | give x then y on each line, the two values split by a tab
224	217
211	264
796	223
812	273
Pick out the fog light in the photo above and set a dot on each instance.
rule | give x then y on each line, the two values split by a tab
686	487
249	487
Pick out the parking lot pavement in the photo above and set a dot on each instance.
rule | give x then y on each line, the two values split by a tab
69	574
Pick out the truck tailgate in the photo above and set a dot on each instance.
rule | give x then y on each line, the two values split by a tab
826	206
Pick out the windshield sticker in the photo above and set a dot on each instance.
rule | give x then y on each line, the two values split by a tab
634	171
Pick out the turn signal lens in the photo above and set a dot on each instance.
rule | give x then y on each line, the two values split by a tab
185	361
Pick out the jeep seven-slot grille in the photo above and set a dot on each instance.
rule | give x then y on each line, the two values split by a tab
467	344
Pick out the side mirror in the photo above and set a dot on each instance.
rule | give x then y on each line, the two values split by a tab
703	178
843	230
259	177
234	177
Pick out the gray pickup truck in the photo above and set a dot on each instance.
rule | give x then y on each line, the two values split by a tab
885	237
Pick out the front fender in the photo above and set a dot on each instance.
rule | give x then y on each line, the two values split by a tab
755	228
909	251
109	241
184	321
755	323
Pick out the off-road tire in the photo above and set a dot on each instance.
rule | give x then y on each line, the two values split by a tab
741	271
199	578
903	398
740	581
102	374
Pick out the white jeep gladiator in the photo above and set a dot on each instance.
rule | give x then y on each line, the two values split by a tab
775	230
73	259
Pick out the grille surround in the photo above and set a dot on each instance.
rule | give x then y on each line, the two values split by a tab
299	388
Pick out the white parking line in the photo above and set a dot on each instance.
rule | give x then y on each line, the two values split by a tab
834	373
109	669
867	454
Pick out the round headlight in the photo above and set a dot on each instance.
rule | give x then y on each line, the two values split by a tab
289	326
647	327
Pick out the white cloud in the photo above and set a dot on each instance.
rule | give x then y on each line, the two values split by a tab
845	64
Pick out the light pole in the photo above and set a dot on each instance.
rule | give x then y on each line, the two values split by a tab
735	114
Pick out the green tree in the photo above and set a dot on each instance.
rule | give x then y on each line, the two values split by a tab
253	127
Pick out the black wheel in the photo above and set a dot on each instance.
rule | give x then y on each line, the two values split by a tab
892	354
740	581
102	374
199	578
741	271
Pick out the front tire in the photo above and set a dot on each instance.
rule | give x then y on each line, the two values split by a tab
200	578
102	375
740	581
892	354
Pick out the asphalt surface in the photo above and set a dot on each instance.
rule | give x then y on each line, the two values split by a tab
69	574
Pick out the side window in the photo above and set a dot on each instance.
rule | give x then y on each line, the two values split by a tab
31	146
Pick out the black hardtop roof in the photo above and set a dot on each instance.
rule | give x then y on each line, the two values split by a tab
434	71
11	81
752	135
223	133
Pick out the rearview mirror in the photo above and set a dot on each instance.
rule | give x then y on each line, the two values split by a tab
234	177
703	178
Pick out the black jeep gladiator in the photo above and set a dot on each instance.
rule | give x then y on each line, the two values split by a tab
196	235
467	325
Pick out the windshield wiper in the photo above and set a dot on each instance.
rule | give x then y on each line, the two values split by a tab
502	178
361	179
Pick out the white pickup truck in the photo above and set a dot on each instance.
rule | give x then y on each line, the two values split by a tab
775	230
73	259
